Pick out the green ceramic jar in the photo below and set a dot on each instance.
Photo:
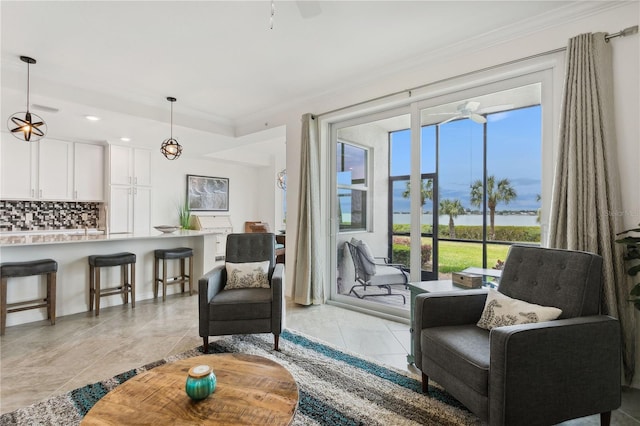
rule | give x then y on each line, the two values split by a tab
201	382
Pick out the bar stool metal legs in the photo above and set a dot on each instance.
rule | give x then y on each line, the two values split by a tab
181	253
127	263
47	267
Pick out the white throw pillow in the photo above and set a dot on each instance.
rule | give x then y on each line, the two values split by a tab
500	310
247	275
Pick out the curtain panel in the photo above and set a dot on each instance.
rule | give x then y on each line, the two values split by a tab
308	283
586	200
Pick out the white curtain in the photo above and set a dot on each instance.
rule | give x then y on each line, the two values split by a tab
586	196
308	283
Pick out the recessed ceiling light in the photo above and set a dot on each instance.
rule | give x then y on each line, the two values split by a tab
125	139
92	117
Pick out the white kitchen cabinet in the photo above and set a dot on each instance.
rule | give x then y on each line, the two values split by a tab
55	171
130	190
51	169
129	166
130	209
19	163
88	172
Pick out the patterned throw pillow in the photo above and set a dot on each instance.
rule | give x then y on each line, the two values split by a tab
247	275
500	310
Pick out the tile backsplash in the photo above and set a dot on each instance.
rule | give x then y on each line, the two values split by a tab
48	215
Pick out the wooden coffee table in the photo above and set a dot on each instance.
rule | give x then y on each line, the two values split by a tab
250	390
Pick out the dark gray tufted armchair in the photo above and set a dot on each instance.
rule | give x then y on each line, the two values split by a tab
528	374
242	310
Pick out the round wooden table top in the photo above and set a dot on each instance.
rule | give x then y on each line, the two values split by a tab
250	390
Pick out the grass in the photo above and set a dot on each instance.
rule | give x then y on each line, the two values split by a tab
456	256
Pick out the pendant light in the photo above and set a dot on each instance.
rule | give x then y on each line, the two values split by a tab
25	125
170	148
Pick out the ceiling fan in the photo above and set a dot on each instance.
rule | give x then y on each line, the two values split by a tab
468	109
471	110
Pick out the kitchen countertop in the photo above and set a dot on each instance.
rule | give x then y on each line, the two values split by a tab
73	236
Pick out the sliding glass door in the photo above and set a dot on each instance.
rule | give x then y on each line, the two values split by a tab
436	187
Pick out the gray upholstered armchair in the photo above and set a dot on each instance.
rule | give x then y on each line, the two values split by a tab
529	374
245	310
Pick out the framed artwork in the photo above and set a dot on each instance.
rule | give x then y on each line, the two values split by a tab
205	193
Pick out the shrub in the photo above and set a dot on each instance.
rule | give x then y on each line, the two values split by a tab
401	251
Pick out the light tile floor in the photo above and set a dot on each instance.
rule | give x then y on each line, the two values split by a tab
39	360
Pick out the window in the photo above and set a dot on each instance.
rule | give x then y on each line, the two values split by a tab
353	186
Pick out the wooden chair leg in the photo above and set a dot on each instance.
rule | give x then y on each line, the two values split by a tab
425	383
133	285
191	276
92	287
276	342
605	418
205	344
97	290
156	272
182	270
3	305
124	280
164	279
51	297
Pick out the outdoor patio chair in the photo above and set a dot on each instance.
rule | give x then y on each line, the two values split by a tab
369	272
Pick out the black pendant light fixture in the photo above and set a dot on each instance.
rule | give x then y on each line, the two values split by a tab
170	148
25	125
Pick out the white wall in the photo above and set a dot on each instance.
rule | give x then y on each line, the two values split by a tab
626	92
246	192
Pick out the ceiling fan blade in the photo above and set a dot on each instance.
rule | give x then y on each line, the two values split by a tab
445	113
496	108
448	120
478	118
472	106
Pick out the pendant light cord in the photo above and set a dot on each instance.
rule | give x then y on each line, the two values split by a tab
28	79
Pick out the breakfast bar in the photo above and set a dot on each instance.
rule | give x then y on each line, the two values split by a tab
70	251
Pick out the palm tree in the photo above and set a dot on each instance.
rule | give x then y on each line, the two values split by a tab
503	192
453	208
426	191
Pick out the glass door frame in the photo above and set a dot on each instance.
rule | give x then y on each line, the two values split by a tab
424	275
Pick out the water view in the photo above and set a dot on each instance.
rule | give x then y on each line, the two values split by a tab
514	219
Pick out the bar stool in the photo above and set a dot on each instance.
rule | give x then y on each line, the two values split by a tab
182	253
127	263
47	267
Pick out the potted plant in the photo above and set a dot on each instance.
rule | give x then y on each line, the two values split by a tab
631	240
185	216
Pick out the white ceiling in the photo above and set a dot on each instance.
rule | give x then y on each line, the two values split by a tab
121	59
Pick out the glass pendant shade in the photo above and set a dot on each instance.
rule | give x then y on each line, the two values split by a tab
27	126
170	148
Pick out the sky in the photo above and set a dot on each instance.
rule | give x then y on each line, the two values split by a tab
514	152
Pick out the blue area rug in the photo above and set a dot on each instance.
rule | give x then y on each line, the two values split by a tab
336	388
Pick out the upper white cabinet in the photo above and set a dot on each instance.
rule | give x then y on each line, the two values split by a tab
55	171
51	170
88	172
19	161
130	166
129	189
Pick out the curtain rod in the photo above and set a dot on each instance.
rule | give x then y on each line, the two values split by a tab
622	33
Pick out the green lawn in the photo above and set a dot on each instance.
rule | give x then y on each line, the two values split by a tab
456	256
